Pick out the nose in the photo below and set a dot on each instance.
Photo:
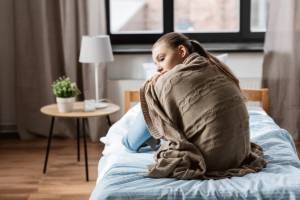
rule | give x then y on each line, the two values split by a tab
159	69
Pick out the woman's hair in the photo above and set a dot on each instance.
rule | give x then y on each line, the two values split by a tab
173	40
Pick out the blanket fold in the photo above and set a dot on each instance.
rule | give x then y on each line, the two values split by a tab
204	121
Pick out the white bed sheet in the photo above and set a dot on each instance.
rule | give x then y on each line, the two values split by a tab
122	126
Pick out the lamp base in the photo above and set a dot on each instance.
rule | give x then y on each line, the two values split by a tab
101	105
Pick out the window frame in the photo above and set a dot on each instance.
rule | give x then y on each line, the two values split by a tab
243	36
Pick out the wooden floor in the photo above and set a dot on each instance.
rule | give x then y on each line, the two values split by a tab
22	162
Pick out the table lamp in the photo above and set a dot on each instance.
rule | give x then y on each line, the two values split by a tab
96	49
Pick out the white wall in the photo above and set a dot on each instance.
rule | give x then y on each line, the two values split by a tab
244	65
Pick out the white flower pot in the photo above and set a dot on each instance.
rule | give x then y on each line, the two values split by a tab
65	104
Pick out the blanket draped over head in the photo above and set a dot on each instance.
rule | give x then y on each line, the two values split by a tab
204	121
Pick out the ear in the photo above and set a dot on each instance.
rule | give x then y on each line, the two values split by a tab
182	50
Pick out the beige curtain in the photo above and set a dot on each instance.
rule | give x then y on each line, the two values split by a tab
47	45
281	66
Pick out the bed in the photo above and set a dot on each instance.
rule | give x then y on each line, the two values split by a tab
118	173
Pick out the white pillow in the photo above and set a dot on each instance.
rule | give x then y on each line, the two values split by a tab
223	57
150	68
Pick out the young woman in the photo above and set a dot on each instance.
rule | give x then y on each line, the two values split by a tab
167	121
170	50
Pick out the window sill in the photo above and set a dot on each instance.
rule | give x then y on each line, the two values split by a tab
210	47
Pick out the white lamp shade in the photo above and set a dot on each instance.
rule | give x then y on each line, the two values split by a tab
95	49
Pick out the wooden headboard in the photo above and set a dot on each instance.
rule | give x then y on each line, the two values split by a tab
261	95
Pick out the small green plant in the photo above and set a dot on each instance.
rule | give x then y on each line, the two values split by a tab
64	88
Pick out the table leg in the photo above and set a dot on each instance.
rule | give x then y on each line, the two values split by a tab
78	141
108	120
48	147
85	151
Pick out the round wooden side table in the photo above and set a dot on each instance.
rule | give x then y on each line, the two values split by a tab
78	112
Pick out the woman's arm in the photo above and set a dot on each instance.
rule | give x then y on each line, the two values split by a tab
154	78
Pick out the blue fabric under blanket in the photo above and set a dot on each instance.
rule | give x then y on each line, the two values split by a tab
118	173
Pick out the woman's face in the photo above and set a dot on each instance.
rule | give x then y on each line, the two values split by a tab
166	58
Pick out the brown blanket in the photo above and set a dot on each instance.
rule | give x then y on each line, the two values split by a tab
204	119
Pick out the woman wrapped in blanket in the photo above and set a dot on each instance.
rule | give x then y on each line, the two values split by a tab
197	108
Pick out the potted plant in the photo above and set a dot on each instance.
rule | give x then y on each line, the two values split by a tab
65	92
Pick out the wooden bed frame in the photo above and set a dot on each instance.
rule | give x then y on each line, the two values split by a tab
261	95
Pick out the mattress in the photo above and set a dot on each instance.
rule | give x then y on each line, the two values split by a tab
118	173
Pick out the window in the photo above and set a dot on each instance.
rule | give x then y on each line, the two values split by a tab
206	16
136	16
208	21
259	11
